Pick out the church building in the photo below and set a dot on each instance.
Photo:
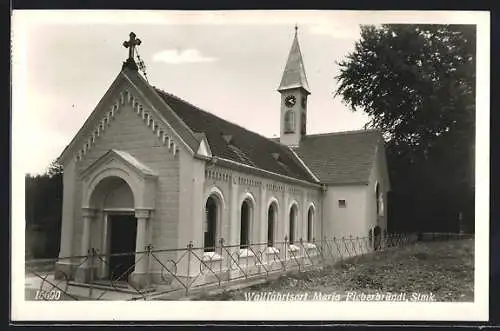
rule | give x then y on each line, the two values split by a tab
150	171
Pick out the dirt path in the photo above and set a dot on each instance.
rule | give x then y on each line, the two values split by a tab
425	271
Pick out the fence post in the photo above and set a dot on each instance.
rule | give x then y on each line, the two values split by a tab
323	246
91	257
345	246
337	247
221	254
285	250
188	283
301	245
354	245
315	249
149	250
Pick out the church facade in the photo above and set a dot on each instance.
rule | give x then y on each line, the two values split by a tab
149	170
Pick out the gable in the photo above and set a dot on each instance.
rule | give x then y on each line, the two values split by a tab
204	148
122	96
124	159
130	133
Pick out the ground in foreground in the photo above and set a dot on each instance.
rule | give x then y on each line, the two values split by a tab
435	271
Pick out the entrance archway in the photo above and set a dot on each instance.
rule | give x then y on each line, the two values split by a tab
119	194
122	241
113	197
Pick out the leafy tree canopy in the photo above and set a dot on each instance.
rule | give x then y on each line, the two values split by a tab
43	206
417	83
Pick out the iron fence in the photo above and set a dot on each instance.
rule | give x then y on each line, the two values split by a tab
177	273
438	236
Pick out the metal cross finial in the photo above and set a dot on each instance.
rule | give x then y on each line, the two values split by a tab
131	44
296	28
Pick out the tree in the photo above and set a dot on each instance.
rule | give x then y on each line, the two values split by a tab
54	169
43	203
417	83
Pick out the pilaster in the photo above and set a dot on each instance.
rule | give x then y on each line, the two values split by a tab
304	218
233	213
140	275
263	221
83	274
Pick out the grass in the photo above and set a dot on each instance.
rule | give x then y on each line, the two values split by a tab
40	266
445	269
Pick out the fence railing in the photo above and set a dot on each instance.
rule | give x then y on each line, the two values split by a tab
437	236
179	272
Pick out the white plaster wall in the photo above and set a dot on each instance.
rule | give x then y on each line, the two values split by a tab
350	220
237	184
120	197
292	139
222	185
379	175
191	202
128	132
68	205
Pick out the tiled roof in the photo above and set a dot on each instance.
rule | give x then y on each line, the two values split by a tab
334	158
340	157
170	116
230	141
294	75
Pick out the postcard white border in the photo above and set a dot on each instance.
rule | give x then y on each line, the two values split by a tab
184	310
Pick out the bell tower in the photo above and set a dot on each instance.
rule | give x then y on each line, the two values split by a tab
294	90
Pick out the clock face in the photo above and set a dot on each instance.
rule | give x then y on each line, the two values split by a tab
290	101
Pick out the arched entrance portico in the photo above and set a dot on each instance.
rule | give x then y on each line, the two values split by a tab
114	200
118	199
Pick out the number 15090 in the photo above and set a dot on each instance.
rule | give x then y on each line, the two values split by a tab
48	295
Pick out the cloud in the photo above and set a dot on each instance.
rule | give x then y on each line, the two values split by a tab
176	56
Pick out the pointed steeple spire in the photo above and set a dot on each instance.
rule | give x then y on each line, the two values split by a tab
294	75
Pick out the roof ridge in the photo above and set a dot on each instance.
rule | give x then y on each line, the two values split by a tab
212	114
343	132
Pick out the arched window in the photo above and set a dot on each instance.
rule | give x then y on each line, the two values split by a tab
310	224
246	215
379	200
289	121
303	124
271	218
210	224
293	219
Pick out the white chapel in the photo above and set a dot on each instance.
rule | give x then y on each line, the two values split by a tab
149	170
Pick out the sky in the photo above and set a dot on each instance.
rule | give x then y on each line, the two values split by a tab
227	63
